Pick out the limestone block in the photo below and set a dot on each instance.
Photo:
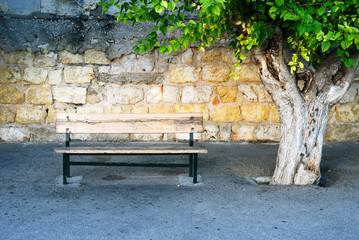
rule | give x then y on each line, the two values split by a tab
95	94
131	77
227	94
230	59
40	95
247	92
267	133
274	115
95	108
26	115
216	73
163	61
342	132
261	93
225	114
51	115
93	56
225	133
185	136
210	56
160	109
46	134
196	94
147	137
76	95
348	113
46	60
10	94
14	134
215	101
145	64
35	75
158	94
126	109
24	58
255	113
74	74
10	74
247	73
6	116
351	94
180	74
243	133
55	77
210	132
124	95
193	108
69	58
186	57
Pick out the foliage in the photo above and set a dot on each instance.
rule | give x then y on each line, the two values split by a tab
311	28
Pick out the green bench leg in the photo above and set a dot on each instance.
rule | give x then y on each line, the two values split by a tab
65	167
190	165
195	165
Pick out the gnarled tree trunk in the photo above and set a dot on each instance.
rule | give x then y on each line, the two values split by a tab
303	112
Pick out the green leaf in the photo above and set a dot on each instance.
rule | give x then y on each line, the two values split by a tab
279	2
321	10
325	46
158	9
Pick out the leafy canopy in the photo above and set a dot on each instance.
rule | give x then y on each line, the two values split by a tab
311	28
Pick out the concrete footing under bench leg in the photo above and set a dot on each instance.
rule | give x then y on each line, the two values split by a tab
185	180
74	181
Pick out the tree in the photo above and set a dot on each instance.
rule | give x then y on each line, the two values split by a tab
321	37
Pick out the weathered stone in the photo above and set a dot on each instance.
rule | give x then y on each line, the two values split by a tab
145	64
192	109
76	95
101	137
126	109
185	136
351	94
55	77
40	95
139	109
255	113
95	94
135	78
69	58
46	60
51	114
26	115
20	57
163	61
45	134
267	133
342	132
225	114
95	108
215	101
93	56
73	74
10	94
225	133
274	115
199	94
247	73
247	92
9	74
184	74
162	94
147	137
347	113
124	95
216	73
227	94
14	134
243	133
35	75
210	133
160	109
186	57
261	93
229	58
210	56
6	116
126	63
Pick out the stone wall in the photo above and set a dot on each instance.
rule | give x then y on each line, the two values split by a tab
35	86
64	56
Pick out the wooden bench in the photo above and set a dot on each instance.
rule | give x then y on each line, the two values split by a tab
84	123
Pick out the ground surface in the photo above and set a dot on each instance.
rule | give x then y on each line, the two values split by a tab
138	203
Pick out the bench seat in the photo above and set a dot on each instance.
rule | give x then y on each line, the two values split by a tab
132	150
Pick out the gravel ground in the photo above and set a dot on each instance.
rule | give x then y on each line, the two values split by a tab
150	203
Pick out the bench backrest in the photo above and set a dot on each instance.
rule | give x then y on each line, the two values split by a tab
129	123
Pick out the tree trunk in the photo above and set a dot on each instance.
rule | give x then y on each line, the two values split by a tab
303	112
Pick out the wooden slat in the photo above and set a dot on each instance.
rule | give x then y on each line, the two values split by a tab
131	150
129	123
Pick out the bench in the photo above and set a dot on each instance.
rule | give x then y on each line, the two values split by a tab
85	123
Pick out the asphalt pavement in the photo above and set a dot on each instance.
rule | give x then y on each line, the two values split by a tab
153	203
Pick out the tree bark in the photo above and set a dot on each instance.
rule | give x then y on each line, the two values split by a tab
303	114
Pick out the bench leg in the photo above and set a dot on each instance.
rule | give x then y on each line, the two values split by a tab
65	167
190	163
195	165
